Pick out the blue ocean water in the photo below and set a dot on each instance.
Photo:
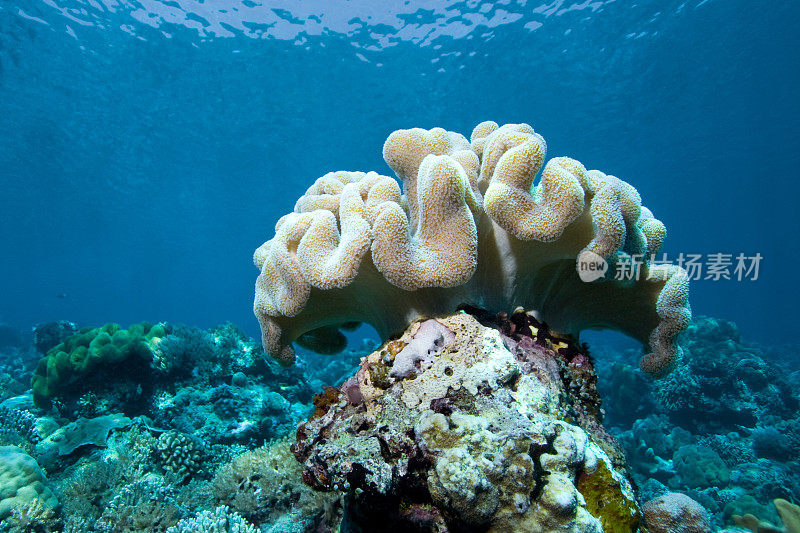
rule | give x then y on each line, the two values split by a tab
148	146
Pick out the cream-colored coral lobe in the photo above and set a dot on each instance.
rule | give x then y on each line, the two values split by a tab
471	226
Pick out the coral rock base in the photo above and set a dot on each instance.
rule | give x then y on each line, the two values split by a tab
468	423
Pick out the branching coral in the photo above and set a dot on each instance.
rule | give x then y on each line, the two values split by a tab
472	227
20	422
33	517
179	454
220	520
147	504
265	485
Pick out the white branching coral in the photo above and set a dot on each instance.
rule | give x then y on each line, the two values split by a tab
472	226
220	520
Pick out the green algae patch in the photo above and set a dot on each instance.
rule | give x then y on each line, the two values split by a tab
607	501
87	352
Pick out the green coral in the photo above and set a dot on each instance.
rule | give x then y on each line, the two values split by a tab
72	361
606	500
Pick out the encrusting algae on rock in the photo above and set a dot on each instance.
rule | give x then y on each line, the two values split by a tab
469	228
459	425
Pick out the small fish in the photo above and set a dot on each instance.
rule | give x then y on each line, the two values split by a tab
62	295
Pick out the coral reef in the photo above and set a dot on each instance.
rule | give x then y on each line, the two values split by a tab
179	453
266	486
33	517
458	425
471	228
723	428
16	365
220	520
725	383
22	481
51	334
228	413
20	422
85	354
675	513
120	488
65	440
700	467
146	504
496	426
789	513
136	453
216	385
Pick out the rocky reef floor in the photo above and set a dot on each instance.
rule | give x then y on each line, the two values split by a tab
467	422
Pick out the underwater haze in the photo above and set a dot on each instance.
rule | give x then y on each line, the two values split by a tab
148	147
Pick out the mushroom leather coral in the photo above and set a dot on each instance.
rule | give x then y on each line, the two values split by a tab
472	227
